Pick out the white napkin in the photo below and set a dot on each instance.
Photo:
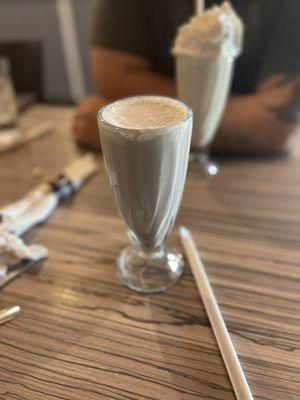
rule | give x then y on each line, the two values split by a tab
11	244
16	136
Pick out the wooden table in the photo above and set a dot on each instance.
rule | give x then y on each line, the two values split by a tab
82	335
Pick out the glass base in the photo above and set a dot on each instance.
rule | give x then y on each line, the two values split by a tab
149	271
202	165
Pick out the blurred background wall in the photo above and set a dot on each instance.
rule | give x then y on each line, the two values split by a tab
55	24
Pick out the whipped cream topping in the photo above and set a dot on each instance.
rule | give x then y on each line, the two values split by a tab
216	32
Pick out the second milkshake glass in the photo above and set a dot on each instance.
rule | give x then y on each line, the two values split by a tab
205	49
147	171
204	85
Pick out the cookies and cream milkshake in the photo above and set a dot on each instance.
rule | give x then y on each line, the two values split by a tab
145	142
205	50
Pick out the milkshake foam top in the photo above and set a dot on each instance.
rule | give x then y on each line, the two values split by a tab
144	112
217	31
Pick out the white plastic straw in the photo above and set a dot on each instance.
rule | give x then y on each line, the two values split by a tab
233	366
199	6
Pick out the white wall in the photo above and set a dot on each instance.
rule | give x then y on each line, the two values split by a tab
37	19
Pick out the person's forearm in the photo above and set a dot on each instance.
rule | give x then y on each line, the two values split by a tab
146	82
249	125
119	74
139	82
256	122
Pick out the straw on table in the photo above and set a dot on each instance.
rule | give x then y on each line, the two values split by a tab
233	366
199	6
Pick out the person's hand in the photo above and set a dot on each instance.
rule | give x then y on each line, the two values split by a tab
85	126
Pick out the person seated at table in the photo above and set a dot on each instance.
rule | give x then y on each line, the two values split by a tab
130	55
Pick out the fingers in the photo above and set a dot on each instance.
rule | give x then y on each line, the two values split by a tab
85	126
86	106
86	137
85	130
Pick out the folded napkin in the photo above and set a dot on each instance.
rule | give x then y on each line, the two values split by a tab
16	136
34	208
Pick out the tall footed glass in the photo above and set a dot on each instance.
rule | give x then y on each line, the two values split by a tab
147	169
204	85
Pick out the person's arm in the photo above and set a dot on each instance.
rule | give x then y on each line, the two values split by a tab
121	62
265	120
257	122
262	121
116	74
120	74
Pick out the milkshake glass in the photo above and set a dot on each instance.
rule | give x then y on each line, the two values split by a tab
145	142
205	50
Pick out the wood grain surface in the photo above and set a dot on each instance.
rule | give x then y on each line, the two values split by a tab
82	335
